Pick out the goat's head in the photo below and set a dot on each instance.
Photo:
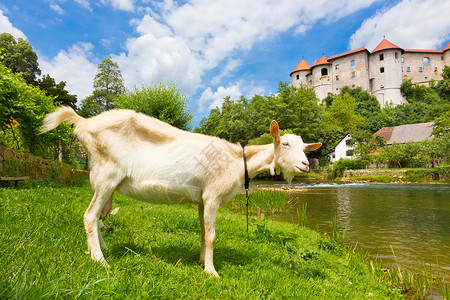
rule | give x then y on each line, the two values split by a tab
289	152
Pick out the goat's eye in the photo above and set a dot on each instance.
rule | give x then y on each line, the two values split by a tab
285	144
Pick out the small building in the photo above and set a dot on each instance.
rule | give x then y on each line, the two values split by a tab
343	149
406	133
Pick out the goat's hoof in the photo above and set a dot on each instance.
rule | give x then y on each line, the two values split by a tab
212	273
104	263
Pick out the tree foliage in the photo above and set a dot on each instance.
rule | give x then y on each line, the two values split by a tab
19	57
22	109
57	91
244	119
108	86
164	102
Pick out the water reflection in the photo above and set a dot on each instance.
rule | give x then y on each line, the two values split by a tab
413	219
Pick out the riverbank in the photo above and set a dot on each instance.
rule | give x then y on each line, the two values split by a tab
153	253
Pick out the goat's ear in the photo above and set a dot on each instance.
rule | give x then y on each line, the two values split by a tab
312	147
275	132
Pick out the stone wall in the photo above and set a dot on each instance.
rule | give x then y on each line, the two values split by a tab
14	164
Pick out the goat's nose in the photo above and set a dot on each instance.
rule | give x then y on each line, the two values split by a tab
306	163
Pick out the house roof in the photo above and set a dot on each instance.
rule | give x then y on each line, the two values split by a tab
385	132
347	53
447	47
384	45
406	133
322	61
302	66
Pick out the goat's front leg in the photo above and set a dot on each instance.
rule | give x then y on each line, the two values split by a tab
209	223
202	229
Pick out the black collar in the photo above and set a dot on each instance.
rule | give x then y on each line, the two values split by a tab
247	180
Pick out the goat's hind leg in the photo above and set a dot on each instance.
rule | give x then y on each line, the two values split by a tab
105	212
91	217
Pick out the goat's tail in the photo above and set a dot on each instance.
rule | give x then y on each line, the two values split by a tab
62	113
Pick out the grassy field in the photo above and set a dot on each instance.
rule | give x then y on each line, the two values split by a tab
154	249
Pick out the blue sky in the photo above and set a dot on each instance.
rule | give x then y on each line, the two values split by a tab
212	49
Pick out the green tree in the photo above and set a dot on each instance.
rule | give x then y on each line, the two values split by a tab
341	115
22	109
108	86
19	57
164	102
57	91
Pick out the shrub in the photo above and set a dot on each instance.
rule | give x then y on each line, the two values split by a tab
347	164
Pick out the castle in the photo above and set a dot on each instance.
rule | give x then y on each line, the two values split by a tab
381	71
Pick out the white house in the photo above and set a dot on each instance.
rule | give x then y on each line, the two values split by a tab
342	150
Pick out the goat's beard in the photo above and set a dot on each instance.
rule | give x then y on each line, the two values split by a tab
288	175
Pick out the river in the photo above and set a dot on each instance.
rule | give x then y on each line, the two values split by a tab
403	224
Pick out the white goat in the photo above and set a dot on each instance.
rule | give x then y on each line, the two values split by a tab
152	161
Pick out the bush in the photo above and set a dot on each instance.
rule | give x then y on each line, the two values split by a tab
347	164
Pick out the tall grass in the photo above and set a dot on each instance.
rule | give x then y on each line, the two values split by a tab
270	202
154	249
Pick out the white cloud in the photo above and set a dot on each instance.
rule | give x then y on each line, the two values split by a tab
105	43
216	98
85	4
74	67
152	59
6	26
230	66
56	8
410	24
182	43
127	5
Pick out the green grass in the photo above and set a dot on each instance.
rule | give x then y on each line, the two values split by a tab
270	202
153	253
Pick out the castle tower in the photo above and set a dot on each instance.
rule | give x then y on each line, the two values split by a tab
385	73
446	51
320	77
298	76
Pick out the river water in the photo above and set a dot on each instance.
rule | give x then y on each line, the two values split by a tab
404	224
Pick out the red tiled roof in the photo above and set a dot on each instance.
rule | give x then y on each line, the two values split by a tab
302	66
384	45
347	53
423	51
385	132
322	61
447	47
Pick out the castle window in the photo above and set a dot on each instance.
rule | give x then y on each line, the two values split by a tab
353	74
426	61
337	77
382	70
420	69
396	55
353	63
403	60
298	77
349	153
408	69
381	56
337	66
324	71
442	57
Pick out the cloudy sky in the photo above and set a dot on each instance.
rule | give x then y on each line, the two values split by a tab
212	48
